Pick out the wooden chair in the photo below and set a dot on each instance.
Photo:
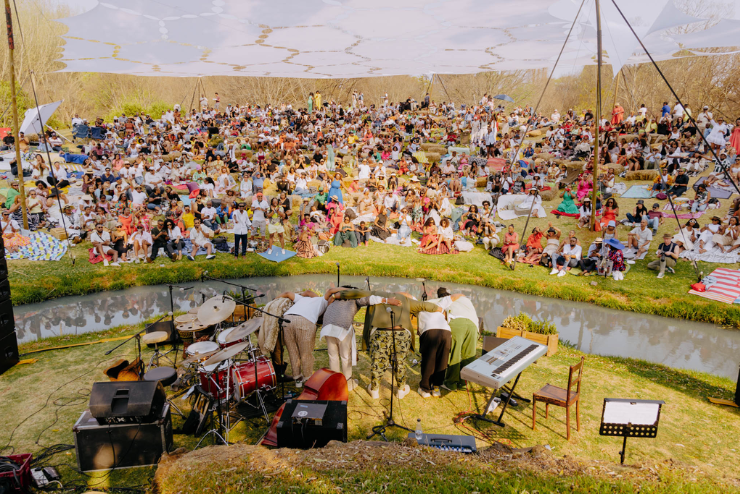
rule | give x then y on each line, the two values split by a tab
561	397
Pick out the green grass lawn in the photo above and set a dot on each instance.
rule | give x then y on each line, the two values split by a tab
42	400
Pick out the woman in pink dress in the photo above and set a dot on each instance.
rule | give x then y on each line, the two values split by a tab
585	186
735	136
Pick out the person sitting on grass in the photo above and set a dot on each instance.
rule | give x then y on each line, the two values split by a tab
640	237
667	256
533	249
103	246
489	235
363	234
140	241
590	263
615	259
569	258
201	237
511	246
346	233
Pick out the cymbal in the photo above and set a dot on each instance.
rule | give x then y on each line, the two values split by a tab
226	353
192	326
186	318
194	310
199	357
244	329
216	310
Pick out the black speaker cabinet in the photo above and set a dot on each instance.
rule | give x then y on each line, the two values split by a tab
3	269
127	401
113	446
737	390
299	427
8	352
7	323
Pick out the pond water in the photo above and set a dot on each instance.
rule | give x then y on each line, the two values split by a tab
596	330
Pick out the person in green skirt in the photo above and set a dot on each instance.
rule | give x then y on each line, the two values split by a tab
310	102
463	321
567	207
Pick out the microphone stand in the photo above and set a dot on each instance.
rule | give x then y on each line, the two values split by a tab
380	429
137	337
175	336
338	275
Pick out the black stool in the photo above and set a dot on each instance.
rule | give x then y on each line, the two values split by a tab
167	376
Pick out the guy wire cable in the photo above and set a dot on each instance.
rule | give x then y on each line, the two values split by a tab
534	112
691	118
46	143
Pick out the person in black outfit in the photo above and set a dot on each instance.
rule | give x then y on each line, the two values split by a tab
680	185
160	239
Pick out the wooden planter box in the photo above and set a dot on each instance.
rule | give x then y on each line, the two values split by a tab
550	340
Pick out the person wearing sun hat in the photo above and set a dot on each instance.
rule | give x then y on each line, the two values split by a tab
615	258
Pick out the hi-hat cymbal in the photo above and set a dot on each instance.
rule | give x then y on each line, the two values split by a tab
192	326
226	353
244	329
216	310
186	318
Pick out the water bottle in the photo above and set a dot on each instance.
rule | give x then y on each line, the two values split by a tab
418	433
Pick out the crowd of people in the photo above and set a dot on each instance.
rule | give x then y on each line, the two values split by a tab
330	175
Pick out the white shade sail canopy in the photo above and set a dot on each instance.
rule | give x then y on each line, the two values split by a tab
354	38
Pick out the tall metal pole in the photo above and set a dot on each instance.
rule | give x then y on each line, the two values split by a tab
14	104
597	118
616	88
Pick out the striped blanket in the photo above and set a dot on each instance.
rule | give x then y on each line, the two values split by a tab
723	285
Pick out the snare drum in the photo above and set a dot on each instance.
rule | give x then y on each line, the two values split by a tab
213	378
243	377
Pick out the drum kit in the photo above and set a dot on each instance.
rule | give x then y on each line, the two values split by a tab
223	362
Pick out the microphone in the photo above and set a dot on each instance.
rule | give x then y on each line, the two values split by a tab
183	288
258	296
337	264
169	314
388	310
223	299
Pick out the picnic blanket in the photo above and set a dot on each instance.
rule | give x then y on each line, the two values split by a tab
73	158
716	192
637	192
712	255
277	254
43	247
723	285
683	216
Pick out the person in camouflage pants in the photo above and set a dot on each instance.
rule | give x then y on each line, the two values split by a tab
381	351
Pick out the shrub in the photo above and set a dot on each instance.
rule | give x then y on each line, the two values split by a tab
523	322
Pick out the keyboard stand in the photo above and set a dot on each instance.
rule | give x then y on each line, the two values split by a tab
498	422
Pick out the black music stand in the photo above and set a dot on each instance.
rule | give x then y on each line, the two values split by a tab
499	422
630	418
380	429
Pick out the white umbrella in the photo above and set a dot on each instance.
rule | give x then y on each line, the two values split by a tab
31	123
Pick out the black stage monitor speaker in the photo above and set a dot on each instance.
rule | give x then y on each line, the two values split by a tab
110	446
737	390
8	352
7	323
312	424
127	401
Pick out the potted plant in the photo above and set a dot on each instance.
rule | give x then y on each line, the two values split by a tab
543	332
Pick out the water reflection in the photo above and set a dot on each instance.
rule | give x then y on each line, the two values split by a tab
676	343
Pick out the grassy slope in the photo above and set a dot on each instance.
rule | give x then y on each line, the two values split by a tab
61	380
639	292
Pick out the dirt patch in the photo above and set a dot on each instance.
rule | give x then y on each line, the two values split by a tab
368	456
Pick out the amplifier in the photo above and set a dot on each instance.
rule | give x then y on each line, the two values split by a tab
112	446
456	444
312	424
8	352
127	401
4	288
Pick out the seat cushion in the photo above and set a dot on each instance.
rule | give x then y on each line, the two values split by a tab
165	375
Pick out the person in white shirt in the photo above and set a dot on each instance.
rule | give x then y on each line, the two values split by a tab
140	240
259	221
102	245
640	237
176	242
446	236
242	224
364	171
435	341
300	332
208	216
138	197
200	236
569	258
463	321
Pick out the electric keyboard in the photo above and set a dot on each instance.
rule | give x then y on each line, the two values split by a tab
455	444
503	363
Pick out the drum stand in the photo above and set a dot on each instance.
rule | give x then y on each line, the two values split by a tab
257	390
219	433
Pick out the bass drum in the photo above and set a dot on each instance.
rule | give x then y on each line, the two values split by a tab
243	377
